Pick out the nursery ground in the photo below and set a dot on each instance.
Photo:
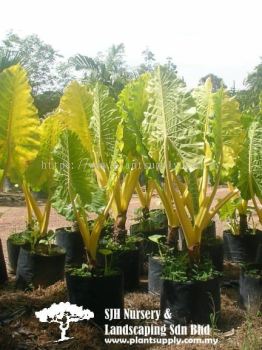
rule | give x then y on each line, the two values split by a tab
19	329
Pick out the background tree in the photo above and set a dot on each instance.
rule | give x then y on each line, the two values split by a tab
250	97
48	72
149	62
109	68
217	82
47	101
254	82
37	57
9	58
170	65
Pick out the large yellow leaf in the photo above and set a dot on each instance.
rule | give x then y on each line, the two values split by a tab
40	173
76	110
19	123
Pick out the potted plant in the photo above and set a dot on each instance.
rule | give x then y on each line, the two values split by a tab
213	248
40	263
19	136
125	171
154	222
14	242
36	258
177	291
126	257
250	284
22	159
247	177
250	287
76	186
240	240
103	130
155	264
132	157
191	292
196	143
91	114
147	220
69	238
144	194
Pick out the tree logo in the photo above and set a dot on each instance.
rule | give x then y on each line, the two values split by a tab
64	313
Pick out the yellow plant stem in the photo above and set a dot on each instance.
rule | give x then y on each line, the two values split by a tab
122	195
178	200
258	210
167	204
183	190
149	192
2	180
203	217
101	175
28	207
97	228
207	218
37	211
188	202
181	186
81	220
167	190
204	182
95	234
215	187
83	227
116	205
123	188
128	187
84	230
33	204
242	209
46	217
42	219
182	215
204	185
91	238
141	195
200	218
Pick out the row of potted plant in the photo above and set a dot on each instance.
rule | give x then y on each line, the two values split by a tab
91	154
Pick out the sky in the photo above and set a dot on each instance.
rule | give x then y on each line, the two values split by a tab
223	37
